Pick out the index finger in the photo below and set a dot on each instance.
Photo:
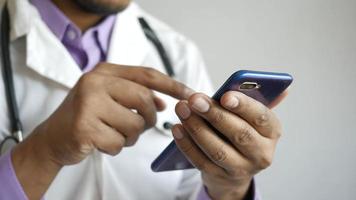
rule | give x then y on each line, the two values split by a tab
150	78
255	113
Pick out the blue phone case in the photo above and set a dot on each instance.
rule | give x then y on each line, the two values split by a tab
271	85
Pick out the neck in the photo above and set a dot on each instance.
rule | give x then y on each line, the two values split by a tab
78	16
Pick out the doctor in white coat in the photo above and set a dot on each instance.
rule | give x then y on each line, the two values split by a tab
83	139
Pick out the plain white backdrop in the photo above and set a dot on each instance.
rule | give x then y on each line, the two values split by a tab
314	40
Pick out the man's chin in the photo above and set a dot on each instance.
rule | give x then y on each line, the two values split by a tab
102	7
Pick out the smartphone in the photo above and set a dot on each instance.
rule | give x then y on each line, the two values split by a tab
262	86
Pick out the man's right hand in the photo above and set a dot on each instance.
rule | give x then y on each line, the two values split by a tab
106	110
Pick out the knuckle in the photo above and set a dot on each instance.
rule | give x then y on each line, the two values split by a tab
84	148
83	91
83	103
202	166
116	148
139	125
195	130
85	78
80	143
100	65
131	140
220	155
263	119
145	96
147	107
187	148
239	173
83	126
176	86
153	120
144	99
265	161
89	79
245	136
278	130
149	73
111	153
278	133
217	117
106	68
79	124
134	130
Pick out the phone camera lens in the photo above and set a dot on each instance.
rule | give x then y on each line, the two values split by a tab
249	86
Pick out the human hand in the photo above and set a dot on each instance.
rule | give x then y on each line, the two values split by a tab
98	113
251	131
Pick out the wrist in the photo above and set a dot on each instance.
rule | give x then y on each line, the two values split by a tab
230	191
34	168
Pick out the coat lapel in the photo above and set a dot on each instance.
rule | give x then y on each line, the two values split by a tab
47	56
45	53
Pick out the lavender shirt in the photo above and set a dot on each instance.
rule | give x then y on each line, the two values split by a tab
87	49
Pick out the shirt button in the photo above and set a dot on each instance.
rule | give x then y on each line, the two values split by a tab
71	34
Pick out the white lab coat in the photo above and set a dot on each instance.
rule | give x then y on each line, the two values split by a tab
44	72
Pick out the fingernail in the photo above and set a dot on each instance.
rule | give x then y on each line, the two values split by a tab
183	111
201	105
232	102
177	133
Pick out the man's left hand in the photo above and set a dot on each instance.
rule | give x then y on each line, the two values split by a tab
239	142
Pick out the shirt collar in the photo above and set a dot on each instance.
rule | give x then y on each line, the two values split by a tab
52	16
104	30
59	24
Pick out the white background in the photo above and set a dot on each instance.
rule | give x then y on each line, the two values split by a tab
315	41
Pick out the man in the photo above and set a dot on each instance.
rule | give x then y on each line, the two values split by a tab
85	97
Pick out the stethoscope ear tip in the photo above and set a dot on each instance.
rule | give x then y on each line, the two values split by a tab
167	125
7	144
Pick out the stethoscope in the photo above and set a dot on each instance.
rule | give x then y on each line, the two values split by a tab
16	125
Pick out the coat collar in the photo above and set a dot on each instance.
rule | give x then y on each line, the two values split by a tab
47	56
20	18
129	44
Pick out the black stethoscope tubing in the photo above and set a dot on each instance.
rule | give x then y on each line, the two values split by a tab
16	125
